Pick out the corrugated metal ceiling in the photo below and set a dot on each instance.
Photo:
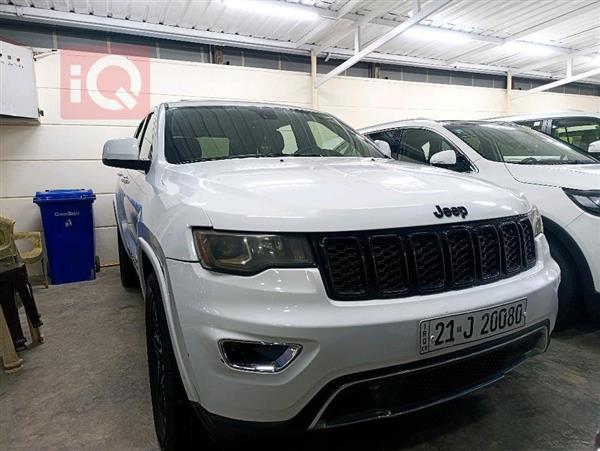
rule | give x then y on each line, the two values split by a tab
560	27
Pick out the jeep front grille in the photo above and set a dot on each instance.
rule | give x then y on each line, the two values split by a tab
403	262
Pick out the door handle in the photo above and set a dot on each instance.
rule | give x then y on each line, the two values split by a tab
125	179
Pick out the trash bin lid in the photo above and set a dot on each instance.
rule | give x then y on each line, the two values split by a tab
62	195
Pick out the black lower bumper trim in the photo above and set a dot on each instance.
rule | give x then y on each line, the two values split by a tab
394	390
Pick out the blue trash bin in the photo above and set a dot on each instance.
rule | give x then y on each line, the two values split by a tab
68	224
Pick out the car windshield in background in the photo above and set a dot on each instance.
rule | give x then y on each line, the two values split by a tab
223	132
515	144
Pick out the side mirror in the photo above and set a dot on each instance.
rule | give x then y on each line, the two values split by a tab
124	153
384	147
443	159
594	147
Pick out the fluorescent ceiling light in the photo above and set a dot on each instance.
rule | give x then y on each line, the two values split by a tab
272	8
527	48
437	35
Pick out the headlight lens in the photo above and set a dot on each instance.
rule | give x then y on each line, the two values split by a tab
536	221
586	200
248	254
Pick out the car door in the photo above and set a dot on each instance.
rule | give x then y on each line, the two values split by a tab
138	187
577	131
131	191
123	206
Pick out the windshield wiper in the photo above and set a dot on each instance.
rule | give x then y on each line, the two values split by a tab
232	157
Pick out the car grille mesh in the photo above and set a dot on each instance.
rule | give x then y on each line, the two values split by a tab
396	263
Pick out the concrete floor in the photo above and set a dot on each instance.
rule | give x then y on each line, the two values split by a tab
86	388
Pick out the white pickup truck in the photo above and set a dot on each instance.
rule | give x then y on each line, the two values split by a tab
297	278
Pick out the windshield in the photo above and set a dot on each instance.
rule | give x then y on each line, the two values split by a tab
515	144
223	132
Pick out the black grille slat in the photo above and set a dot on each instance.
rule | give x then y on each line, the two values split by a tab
528	241
404	262
511	246
344	261
462	256
389	261
428	260
489	252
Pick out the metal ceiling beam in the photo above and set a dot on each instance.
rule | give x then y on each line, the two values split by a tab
431	8
564	81
380	8
348	7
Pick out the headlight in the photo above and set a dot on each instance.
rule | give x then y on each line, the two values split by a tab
536	221
586	200
248	254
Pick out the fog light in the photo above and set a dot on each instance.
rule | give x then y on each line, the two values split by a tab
258	357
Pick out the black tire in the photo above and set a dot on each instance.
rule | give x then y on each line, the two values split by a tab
175	423
570	299
129	277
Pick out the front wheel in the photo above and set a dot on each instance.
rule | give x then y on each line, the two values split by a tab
569	291
176	425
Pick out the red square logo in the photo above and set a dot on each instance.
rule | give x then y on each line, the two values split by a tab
97	85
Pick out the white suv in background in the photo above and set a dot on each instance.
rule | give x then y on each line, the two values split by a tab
577	128
296	277
563	182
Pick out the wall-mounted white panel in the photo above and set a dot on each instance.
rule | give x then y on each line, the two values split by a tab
17	82
57	142
24	178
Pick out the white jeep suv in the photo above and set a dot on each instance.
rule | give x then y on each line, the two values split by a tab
561	180
296	277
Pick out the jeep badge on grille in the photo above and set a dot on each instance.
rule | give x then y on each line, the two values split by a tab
450	211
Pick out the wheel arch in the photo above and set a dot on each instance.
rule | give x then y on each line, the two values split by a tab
558	233
153	261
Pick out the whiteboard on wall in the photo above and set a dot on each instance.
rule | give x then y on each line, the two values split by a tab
18	93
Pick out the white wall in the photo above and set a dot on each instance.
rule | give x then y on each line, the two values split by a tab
63	153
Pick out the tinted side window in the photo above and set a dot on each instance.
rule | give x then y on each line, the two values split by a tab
419	145
146	140
392	137
578	131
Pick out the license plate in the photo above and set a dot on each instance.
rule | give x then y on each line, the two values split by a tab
439	333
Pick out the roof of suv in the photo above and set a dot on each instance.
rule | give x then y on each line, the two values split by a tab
546	115
406	122
239	103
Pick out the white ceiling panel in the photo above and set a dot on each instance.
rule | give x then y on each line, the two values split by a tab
558	27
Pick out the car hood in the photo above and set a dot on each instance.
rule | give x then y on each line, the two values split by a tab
580	176
331	194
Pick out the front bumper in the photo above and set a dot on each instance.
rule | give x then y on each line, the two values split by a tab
339	338
397	390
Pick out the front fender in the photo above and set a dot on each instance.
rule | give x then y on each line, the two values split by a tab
156	259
